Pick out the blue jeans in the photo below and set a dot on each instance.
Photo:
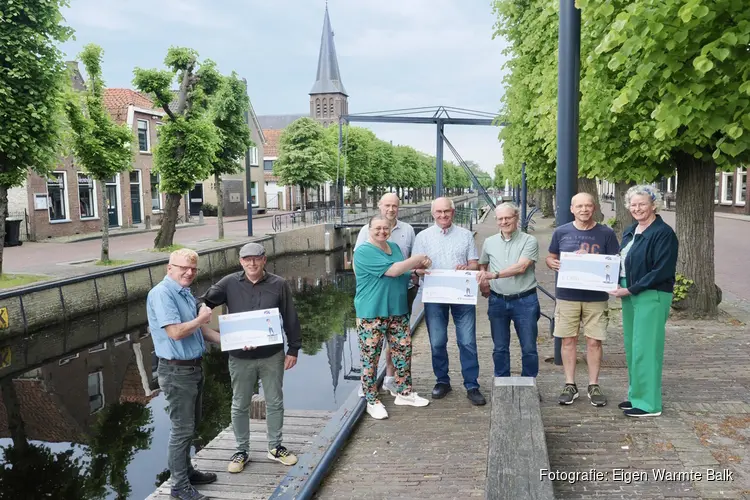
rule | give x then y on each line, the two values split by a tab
524	313
465	319
183	389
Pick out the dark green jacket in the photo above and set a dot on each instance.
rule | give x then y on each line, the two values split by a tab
651	262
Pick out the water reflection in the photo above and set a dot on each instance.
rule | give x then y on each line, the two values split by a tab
81	413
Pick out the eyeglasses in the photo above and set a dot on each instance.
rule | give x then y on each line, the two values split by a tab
253	258
186	269
503	219
443	212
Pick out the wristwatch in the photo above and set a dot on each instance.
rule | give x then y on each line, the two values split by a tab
497	276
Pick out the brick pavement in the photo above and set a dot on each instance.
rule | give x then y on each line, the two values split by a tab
440	451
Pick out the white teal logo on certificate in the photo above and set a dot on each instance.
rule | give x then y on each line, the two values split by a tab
588	271
250	329
450	287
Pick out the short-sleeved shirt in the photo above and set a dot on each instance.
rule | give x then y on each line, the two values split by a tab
600	239
378	295
402	234
168	303
446	248
499	253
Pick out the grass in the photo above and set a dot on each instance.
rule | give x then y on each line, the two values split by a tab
113	262
169	249
13	280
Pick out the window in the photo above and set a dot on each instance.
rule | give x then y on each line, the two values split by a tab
57	192
98	347
67	359
268	165
716	188
317	107
254	156
121	339
330	106
741	185
155	194
143	136
96	392
727	192
86	196
254	193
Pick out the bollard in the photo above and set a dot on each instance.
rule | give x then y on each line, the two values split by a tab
147	220
200	217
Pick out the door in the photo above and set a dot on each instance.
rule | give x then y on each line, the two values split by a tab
135	196
196	199
112	205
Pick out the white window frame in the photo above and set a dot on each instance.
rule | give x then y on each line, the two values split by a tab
93	190
741	173
122	339
254	156
66	199
724	179
148	137
100	376
717	184
98	348
67	359
257	194
151	190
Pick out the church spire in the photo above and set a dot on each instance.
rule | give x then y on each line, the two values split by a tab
328	80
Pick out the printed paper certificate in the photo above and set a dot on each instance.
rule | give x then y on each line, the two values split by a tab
250	329
588	271
450	287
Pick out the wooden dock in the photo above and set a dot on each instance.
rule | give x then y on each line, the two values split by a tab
261	476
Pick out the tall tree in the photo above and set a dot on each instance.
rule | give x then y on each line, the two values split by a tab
230	105
681	73
304	158
32	85
102	147
188	140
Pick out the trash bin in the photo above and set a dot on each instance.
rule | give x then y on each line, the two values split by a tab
13	233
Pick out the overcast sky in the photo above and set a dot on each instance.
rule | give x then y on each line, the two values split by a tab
392	54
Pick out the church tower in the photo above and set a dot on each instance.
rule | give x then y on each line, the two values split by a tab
328	98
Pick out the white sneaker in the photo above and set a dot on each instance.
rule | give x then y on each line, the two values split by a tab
389	384
413	399
377	411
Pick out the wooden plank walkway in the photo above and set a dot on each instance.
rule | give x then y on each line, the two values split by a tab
261	475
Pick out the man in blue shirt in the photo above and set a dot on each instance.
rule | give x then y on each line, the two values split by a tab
179	333
583	235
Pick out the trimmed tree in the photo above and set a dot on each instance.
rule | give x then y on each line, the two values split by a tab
102	147
680	74
32	85
230	105
304	158
188	140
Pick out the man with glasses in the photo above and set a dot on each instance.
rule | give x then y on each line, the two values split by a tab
402	234
451	247
507	276
179	330
255	289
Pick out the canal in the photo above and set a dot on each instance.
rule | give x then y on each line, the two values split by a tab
89	422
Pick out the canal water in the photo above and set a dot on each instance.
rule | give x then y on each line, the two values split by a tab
81	413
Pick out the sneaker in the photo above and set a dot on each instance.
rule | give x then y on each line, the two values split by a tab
569	394
625	405
198	477
389	384
238	461
187	493
637	412
377	411
280	454
412	399
596	396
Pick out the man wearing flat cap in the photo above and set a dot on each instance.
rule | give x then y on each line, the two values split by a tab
255	289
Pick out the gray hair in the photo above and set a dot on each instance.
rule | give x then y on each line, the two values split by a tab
508	204
377	217
646	190
432	205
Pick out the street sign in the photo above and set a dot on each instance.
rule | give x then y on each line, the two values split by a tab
5	357
4	323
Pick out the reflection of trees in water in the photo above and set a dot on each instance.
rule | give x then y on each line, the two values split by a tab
323	312
217	397
121	430
33	471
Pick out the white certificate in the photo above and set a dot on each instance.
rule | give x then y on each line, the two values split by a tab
588	271
250	329
450	287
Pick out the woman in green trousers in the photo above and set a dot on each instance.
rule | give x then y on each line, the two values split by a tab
647	275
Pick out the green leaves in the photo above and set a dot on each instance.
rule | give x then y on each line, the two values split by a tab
228	108
304	157
702	64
